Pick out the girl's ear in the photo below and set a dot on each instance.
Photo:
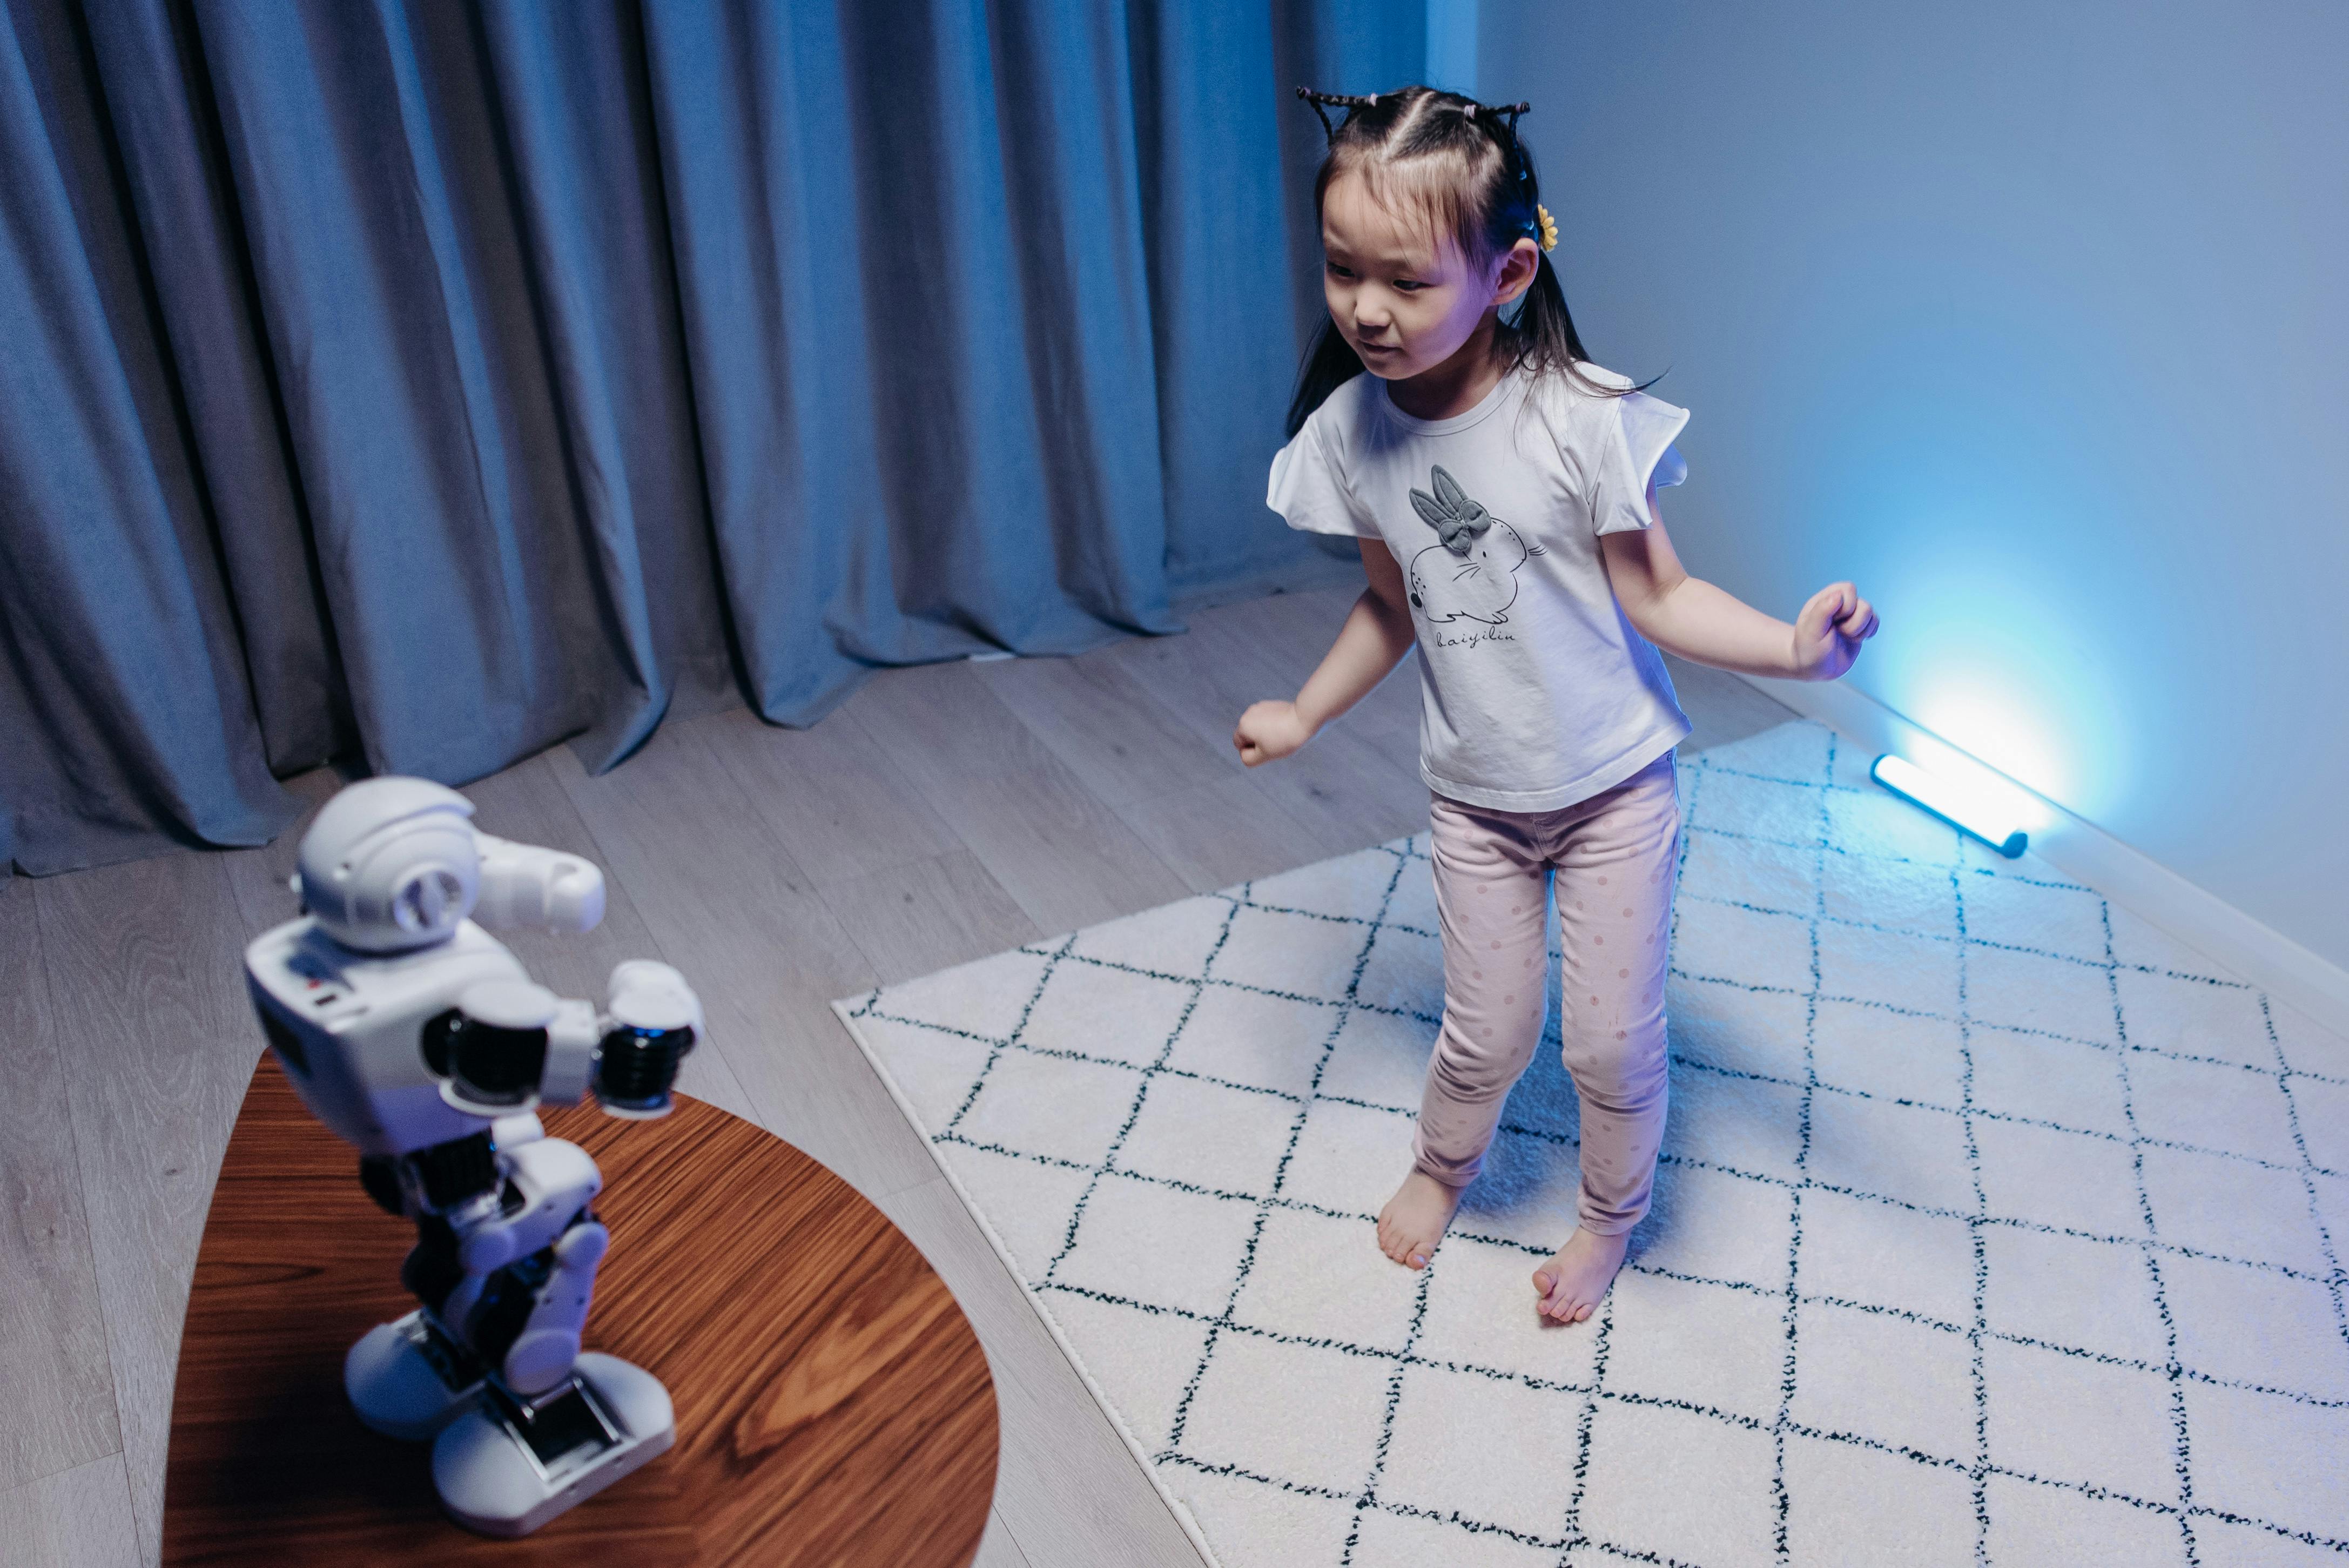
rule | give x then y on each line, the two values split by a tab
1518	264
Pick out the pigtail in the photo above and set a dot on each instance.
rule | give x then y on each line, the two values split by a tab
1542	340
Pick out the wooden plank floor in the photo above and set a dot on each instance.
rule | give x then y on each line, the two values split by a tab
942	814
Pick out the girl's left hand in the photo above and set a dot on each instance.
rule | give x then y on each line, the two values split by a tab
1828	632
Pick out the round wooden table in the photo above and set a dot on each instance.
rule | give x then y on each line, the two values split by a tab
832	1405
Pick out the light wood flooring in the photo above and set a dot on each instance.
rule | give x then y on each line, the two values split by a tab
942	814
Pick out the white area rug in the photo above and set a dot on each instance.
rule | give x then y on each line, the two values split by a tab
1993	1226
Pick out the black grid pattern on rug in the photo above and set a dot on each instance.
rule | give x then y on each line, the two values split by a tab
1967	870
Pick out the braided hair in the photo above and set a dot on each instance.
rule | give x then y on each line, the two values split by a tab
1460	163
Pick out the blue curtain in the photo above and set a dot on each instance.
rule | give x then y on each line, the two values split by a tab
420	383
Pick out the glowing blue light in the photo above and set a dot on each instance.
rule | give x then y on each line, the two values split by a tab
1968	808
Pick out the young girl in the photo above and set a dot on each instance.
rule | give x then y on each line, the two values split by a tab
1503	489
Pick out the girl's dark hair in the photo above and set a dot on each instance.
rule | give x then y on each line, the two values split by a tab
1460	163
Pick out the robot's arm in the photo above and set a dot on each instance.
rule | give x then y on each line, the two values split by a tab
573	1037
510	1044
523	886
627	1056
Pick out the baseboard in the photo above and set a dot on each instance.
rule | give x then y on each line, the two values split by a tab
2258	952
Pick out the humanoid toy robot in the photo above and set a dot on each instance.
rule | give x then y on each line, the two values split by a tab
414	1034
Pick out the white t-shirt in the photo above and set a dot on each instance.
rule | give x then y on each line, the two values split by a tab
1535	691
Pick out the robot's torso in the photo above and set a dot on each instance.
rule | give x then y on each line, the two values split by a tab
350	1027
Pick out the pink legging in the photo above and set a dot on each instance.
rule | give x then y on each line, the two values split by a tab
1615	857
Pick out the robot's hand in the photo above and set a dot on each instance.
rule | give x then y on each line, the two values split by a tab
652	1020
628	1057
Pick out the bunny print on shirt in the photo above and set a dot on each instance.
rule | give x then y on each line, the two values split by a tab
1471	573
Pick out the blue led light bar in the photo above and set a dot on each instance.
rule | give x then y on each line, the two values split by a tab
1970	811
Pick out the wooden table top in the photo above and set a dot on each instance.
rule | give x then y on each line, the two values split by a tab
832	1405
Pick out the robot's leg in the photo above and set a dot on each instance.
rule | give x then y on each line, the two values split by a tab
408	1379
542	1303
556	1424
505	1288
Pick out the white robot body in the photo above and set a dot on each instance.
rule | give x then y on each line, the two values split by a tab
346	1026
420	1038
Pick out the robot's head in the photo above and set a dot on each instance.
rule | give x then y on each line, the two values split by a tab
390	864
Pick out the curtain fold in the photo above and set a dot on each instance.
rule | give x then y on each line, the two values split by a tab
418	384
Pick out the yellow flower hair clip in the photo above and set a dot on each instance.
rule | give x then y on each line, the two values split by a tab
1549	227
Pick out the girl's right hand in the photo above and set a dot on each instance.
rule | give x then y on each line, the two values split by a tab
1270	730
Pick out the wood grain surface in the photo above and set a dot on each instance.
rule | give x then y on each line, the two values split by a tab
834	1406
55	1382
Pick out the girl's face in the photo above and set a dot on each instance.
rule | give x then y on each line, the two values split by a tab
1405	300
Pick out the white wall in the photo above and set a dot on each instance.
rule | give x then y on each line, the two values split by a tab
2034	320
1454	29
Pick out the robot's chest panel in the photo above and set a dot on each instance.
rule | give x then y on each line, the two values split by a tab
347	1027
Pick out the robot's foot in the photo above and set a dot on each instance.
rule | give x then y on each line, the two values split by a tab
408	1379
505	1467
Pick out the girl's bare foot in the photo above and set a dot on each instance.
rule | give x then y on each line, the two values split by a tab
1572	1282
1413	1220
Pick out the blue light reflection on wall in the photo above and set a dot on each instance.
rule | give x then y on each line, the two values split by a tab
2028	319
1955	494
